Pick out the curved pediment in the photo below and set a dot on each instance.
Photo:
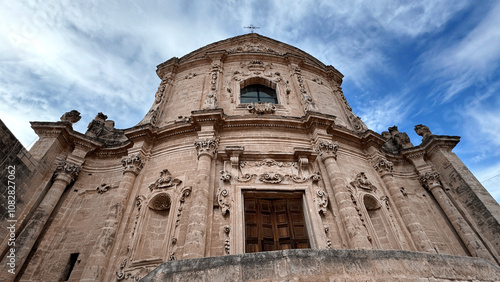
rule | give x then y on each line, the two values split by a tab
250	43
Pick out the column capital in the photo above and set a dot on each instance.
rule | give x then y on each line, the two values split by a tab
132	163
327	149
206	146
430	180
67	171
383	166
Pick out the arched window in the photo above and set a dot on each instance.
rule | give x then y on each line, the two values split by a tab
258	93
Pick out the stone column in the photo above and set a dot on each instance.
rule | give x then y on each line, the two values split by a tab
423	243
430	180
99	256
65	173
357	233
197	227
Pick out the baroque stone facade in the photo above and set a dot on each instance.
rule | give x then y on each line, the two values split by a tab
250	146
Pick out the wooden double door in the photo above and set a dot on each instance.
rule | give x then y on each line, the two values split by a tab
274	223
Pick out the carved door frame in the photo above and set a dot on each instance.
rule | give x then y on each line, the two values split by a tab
312	218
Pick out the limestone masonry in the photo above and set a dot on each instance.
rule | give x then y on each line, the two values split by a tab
250	165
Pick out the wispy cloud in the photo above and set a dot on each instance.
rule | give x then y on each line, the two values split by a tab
458	65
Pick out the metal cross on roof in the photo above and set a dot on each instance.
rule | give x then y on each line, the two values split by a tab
251	27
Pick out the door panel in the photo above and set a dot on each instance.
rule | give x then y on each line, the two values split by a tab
274	224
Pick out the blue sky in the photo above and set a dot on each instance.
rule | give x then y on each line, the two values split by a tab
405	62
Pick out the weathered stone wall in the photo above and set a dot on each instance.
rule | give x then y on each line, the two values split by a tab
17	165
328	265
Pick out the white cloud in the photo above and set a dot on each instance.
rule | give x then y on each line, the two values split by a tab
459	65
379	114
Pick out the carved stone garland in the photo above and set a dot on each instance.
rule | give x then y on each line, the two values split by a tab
261	108
306	98
227	246
211	100
185	193
222	193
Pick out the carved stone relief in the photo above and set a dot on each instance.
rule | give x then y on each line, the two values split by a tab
430	180
362	182
206	146
248	47
383	166
211	100
307	100
423	131
164	181
261	108
227	245
321	201
67	170
327	149
72	116
103	188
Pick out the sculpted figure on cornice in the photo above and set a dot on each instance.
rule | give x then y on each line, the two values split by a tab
423	131
72	116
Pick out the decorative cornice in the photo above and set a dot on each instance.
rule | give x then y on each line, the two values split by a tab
132	163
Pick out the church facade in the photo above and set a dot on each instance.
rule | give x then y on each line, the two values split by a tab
249	147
